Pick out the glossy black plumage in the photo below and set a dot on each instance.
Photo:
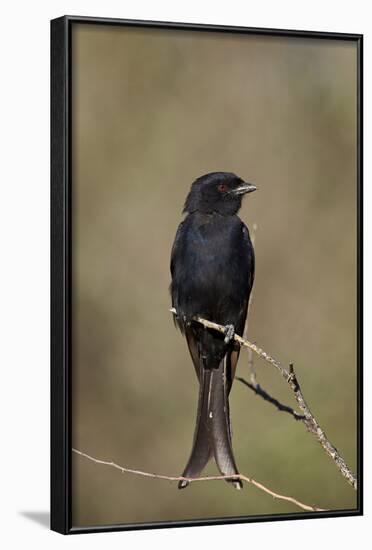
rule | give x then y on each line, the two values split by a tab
212	267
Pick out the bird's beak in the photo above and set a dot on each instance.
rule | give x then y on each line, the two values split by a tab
244	188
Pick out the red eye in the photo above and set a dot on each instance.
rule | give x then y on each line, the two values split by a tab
222	188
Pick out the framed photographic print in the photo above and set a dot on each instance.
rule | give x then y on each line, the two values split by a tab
206	343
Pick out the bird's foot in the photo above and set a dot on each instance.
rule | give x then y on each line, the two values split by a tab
229	333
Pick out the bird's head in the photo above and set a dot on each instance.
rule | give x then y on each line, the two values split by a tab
220	192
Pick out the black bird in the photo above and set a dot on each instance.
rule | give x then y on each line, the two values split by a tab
212	267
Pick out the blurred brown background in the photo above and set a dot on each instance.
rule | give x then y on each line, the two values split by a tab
153	110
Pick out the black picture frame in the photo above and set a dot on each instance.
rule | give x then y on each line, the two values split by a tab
61	280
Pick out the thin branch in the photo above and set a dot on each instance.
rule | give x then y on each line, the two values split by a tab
290	377
258	390
125	470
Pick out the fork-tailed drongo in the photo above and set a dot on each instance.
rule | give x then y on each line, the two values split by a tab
212	267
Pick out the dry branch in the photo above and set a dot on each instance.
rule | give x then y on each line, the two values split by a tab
258	390
125	470
290	377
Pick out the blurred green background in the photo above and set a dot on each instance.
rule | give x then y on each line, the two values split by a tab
153	110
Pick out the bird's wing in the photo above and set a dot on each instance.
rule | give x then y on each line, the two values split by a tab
175	247
248	243
233	355
175	257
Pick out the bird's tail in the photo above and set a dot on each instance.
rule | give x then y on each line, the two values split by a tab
212	435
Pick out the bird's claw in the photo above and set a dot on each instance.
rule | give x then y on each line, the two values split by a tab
229	333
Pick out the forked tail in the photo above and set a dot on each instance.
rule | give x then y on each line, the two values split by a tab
212	435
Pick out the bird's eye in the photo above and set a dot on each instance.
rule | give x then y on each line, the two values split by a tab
222	188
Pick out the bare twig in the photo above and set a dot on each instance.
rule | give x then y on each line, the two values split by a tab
260	486
290	377
258	390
